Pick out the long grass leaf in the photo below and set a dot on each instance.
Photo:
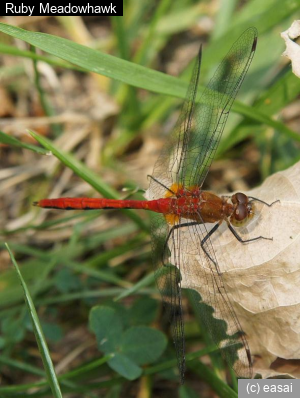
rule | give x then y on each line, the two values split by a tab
85	173
9	140
39	335
122	70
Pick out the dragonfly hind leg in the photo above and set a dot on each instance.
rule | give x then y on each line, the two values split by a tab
202	243
187	224
209	234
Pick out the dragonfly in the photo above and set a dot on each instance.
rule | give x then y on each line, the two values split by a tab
181	212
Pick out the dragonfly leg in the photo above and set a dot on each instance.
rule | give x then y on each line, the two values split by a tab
261	201
169	235
237	236
213	230
202	243
161	184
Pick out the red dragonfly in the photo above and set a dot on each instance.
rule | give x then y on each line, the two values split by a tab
181	209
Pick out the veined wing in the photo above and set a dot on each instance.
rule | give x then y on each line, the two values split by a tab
186	160
211	114
166	172
211	300
170	161
188	154
189	267
168	280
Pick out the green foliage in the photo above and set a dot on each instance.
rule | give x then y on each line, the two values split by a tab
125	71
131	348
143	311
106	272
187	392
12	141
66	281
39	335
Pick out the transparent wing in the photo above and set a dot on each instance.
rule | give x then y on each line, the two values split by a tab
211	301
189	267
170	161
190	150
185	160
211	115
169	285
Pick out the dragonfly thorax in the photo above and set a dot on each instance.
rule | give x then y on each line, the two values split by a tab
206	207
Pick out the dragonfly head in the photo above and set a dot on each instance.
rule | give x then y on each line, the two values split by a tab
243	210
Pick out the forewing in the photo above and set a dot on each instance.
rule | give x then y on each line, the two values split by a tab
185	160
169	164
188	154
211	113
165	172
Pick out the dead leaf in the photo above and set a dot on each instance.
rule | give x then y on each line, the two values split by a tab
292	50
261	278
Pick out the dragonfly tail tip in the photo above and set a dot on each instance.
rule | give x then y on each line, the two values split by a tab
35	203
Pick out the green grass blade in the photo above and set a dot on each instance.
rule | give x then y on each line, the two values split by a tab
21	366
86	174
146	281
43	348
109	292
104	64
224	17
122	39
284	91
47	107
124	71
25	367
14	51
12	71
86	368
51	223
79	168
173	362
9	140
141	55
179	20
219	386
255	114
280	94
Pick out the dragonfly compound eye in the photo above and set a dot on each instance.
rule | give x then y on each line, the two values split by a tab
240	215
241	198
241	212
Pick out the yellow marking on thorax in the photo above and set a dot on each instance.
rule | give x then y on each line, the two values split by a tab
172	219
173	188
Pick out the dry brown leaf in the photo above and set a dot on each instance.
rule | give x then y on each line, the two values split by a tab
292	50
261	278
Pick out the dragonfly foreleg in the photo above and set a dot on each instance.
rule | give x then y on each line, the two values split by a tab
237	236
161	184
261	201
